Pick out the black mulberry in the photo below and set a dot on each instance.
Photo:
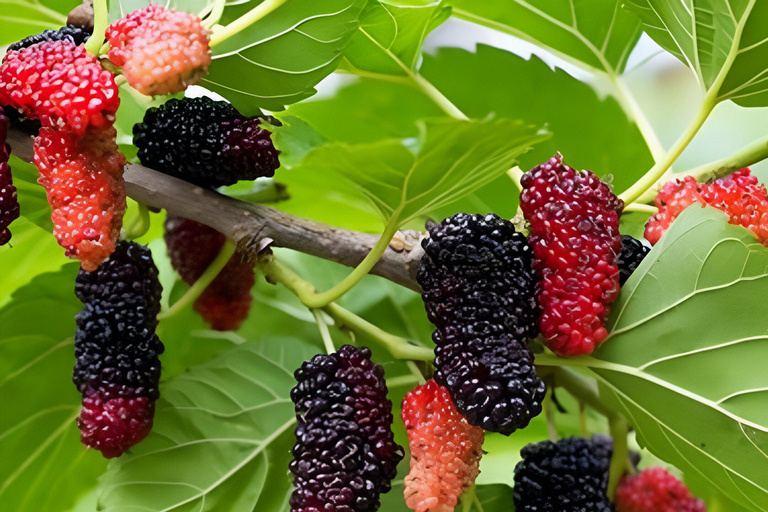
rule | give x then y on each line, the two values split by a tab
9	202
479	291
75	35
345	454
118	369
633	252
568	476
206	142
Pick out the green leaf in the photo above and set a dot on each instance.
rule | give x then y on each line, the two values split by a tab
684	360
221	439
450	160
22	18
592	34
391	34
279	60
32	197
724	42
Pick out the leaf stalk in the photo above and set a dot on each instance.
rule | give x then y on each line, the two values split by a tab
100	24
245	21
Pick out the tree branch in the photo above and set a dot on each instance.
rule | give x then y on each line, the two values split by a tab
254	226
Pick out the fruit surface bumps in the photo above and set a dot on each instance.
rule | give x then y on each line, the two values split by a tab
478	288
345	455
162	51
9	201
60	84
655	490
574	221
633	252
205	142
192	247
445	450
118	369
570	475
83	178
74	35
739	195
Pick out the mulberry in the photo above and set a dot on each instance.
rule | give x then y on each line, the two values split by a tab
568	476
633	252
9	202
574	221
205	142
655	490
479	291
445	450
118	369
345	454
739	195
161	51
74	35
192	247
84	182
60	84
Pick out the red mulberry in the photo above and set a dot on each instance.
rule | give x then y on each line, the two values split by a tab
345	454
192	247
117	350
60	84
574	221
739	195
568	476
161	51
655	490
479	291
445	450
84	181
633	252
9	202
205	142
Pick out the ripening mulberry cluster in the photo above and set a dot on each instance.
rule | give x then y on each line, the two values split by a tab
574	219
479	291
345	454
192	247
162	51
205	142
570	475
9	202
655	490
739	195
445	450
118	369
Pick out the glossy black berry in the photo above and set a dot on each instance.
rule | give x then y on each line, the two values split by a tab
633	252
75	35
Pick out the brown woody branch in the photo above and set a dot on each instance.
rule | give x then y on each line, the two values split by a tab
254	227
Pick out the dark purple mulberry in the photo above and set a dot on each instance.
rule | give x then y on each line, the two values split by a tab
345	454
206	142
118	369
633	252
75	35
479	291
9	202
568	476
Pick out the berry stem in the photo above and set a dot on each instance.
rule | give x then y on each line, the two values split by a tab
324	332
140	224
194	292
245	21
549	410
629	104
641	208
581	388
620	459
516	174
100	24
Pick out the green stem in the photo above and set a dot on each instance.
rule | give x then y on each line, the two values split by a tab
245	21
213	13
641	208
194	292
416	372
438	97
404	380
100	24
324	332
516	174
630	106
581	388
657	171
582	419
468	499
549	410
140	225
620	458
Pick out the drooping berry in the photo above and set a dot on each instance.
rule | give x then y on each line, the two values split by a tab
192	247
655	490
60	84
574	221
568	476
74	35
84	181
161	51
118	369
205	142
739	195
445	450
633	252
9	202
478	287
345	454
